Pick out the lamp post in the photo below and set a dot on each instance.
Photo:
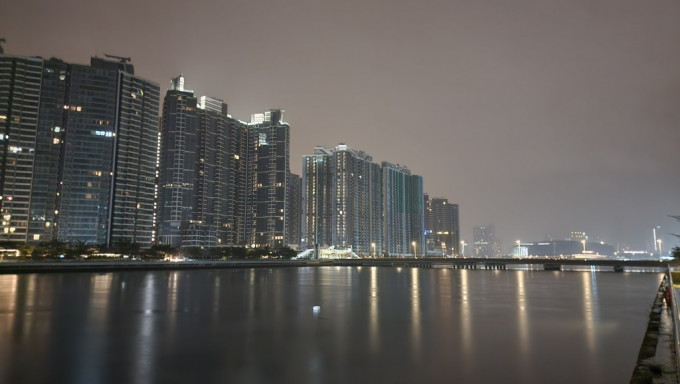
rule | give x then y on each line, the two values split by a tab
658	241
413	243
584	245
373	247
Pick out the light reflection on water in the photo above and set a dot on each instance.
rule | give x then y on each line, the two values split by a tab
372	324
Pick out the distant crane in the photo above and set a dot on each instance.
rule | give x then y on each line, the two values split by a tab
123	60
2	40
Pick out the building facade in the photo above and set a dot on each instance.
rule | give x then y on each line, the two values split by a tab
80	162
342	207
294	211
403	212
267	180
443	227
203	173
484	238
20	87
317	207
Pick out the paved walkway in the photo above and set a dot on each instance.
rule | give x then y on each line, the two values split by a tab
665	350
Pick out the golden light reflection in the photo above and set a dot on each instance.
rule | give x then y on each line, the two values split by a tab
100	299
373	311
98	307
444	285
415	312
522	316
590	306
465	314
8	301
29	305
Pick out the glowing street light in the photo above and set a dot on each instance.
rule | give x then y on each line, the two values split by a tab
373	246
413	243
584	245
658	241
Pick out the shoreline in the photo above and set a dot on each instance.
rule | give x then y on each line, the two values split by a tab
458	263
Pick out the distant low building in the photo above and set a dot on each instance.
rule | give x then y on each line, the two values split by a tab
558	248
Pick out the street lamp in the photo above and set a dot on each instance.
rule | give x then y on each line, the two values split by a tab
373	246
658	241
413	243
584	245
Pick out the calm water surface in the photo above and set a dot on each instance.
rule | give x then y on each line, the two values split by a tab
385	325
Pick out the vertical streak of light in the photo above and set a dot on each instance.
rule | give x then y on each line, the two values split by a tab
172	297
415	312
216	298
144	350
93	342
251	294
29	316
100	299
589	308
8	303
466	316
373	312
522	313
522	319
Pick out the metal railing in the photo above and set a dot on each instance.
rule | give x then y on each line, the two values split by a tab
676	322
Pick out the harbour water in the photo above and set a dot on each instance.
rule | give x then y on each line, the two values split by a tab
323	325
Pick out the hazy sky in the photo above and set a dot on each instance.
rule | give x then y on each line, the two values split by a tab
539	116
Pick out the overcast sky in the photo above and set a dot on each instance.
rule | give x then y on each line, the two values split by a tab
539	116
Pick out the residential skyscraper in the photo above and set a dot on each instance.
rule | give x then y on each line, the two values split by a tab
294	211
443	226
484	238
403	211
267	180
343	200
20	82
85	158
178	163
202	173
317	206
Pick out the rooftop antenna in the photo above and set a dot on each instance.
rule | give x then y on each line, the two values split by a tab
2	40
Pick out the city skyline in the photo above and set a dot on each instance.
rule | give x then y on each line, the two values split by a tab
539	118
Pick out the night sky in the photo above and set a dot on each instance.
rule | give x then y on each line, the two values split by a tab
539	116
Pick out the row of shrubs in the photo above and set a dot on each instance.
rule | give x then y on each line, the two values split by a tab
56	249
